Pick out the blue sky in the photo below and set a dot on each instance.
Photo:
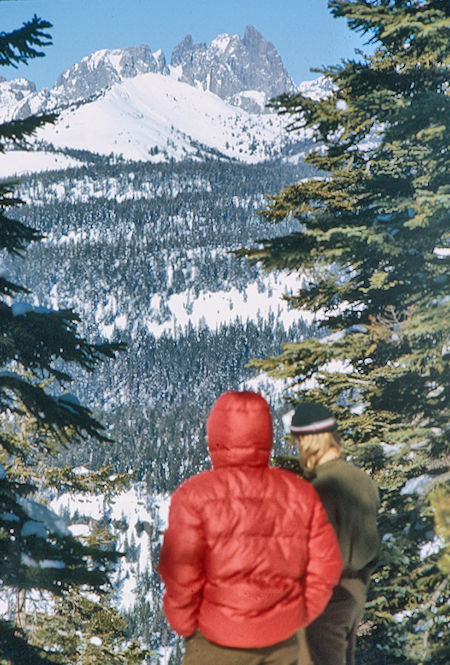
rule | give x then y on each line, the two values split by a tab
303	31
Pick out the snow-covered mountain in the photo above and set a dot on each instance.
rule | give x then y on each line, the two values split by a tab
13	93
88	78
128	102
153	117
100	71
245	72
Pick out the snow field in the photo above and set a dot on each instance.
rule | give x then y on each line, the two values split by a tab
132	515
153	115
21	162
212	309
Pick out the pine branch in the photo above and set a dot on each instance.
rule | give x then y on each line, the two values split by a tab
17	650
15	236
18	46
16	132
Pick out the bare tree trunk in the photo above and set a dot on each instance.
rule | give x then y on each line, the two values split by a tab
19	611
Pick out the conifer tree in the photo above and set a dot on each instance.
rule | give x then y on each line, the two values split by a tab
440	500
374	254
84	628
37	414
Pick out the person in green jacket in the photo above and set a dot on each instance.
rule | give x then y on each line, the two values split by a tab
351	500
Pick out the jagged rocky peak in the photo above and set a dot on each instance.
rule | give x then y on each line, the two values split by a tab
14	91
245	71
102	69
16	97
91	76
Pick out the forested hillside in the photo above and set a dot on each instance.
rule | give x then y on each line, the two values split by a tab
144	253
140	250
344	301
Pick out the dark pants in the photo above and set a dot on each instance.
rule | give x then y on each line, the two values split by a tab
332	636
200	651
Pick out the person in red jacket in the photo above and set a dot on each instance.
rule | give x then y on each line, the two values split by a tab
249	556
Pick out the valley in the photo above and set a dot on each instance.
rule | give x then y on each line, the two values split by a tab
149	180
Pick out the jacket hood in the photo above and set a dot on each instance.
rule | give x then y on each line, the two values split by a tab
239	430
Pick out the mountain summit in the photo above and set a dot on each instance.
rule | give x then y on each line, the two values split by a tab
92	76
209	103
245	72
101	70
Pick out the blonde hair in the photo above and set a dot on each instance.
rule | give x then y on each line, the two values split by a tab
312	447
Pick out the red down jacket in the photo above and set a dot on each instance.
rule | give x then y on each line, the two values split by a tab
249	556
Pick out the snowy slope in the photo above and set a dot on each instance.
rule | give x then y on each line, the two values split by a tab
20	162
85	80
212	309
128	102
152	117
135	517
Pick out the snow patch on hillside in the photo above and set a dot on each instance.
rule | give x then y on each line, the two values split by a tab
214	308
20	162
136	519
80	187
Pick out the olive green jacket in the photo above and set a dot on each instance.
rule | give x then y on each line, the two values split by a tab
351	500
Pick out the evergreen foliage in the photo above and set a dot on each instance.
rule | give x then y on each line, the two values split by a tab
146	618
19	45
39	348
374	243
171	384
440	500
84	628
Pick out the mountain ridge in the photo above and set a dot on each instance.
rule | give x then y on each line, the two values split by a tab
155	118
208	103
230	67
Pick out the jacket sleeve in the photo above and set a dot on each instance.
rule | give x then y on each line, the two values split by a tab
181	565
324	562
